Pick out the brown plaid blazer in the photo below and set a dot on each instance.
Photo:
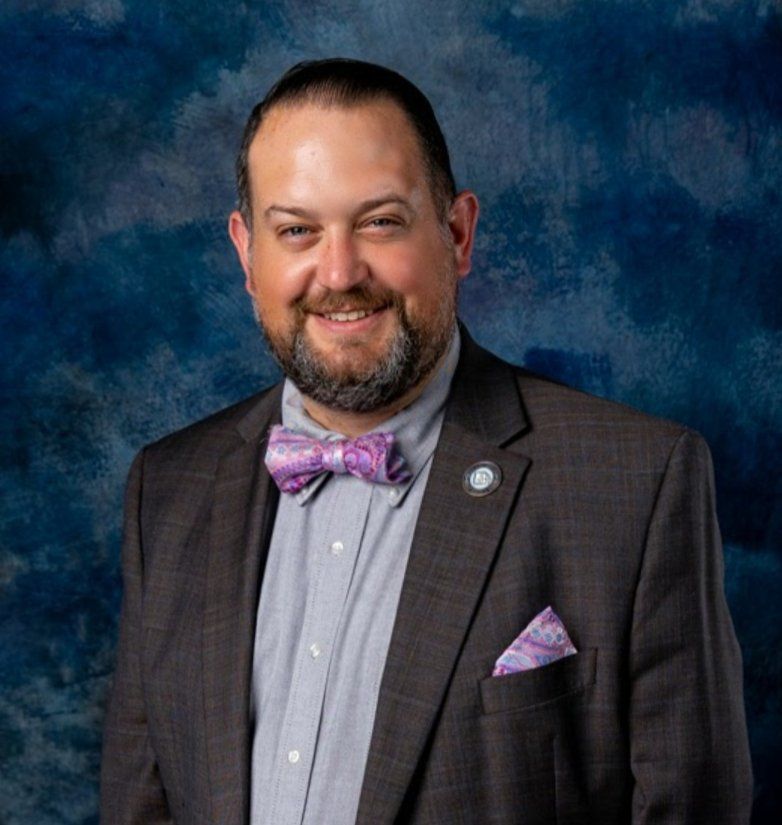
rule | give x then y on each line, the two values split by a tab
604	513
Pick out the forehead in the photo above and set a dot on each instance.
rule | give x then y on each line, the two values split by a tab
310	145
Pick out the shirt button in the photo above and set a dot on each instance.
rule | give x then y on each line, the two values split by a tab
337	548
315	650
393	495
293	757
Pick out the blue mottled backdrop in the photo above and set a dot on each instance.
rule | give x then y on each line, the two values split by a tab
628	157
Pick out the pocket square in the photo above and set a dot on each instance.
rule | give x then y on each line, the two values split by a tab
543	640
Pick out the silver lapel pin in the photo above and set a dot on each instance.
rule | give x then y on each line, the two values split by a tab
482	478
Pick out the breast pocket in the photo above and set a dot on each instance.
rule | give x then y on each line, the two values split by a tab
541	685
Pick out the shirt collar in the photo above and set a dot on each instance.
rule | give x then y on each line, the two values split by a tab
416	428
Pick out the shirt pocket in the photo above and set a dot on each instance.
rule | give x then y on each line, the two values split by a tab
530	688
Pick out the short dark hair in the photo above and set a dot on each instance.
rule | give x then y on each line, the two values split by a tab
339	81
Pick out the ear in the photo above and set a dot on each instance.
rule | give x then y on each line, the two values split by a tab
462	220
241	238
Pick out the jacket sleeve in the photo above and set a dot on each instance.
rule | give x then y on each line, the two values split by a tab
688	737
131	788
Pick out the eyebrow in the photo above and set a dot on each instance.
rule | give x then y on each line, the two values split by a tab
364	206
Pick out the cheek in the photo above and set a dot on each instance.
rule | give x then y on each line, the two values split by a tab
427	280
277	283
411	272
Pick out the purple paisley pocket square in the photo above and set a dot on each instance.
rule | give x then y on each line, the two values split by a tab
543	640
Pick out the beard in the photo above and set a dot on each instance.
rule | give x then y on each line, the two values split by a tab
410	356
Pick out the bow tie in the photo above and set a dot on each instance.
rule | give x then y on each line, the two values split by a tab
294	459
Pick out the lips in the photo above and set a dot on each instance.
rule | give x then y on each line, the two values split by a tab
345	315
352	315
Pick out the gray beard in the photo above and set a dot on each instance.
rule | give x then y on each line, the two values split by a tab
407	362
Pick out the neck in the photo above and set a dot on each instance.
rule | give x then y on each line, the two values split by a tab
353	424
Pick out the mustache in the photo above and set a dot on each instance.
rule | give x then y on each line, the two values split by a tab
360	297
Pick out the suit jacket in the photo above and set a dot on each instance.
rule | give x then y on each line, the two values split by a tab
604	513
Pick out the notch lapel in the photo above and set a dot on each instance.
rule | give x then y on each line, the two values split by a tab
242	515
454	546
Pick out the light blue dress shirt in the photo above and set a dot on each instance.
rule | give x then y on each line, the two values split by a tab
330	592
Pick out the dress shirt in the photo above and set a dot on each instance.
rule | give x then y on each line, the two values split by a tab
331	587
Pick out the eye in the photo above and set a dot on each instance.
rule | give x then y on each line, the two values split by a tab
383	223
295	231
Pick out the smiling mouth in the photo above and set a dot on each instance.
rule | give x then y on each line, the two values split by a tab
350	315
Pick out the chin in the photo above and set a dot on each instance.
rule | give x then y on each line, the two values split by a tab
362	352
349	366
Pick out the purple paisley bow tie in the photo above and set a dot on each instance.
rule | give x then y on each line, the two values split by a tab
294	459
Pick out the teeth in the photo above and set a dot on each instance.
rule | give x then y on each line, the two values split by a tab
354	315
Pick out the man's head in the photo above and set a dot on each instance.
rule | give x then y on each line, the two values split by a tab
350	234
339	82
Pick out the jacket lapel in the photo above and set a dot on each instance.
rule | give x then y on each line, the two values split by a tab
242	514
455	542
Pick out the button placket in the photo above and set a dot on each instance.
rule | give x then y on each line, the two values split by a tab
322	616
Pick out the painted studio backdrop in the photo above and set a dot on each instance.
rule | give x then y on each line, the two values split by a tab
628	156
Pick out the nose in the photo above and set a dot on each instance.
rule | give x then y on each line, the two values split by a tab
341	265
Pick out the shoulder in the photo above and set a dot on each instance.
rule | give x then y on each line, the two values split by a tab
552	405
599	433
200	445
575	428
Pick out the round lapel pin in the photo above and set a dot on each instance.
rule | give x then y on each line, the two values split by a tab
482	478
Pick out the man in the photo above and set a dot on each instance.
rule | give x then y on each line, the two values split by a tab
347	648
